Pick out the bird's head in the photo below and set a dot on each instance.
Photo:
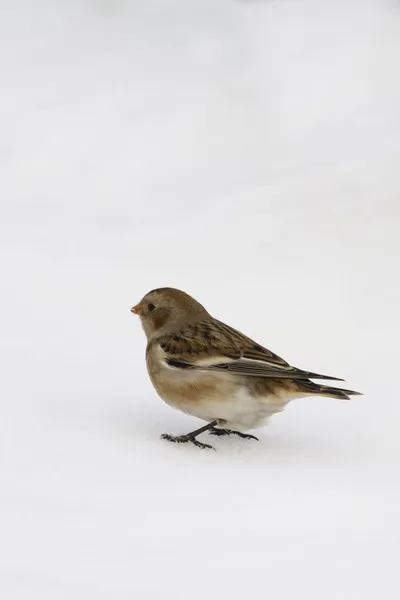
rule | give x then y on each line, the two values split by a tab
167	309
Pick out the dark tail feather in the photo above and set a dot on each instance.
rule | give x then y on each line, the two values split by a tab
326	390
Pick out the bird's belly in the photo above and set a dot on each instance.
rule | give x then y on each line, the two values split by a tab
220	397
243	410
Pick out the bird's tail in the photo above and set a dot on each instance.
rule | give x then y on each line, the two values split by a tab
325	390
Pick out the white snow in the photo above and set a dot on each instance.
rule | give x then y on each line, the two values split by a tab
248	153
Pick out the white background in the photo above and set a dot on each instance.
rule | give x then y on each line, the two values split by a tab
248	153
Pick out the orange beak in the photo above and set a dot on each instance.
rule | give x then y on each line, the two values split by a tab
136	309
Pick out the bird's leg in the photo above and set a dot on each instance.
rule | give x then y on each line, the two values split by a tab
246	436
190	437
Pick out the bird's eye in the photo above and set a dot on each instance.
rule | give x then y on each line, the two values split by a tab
150	307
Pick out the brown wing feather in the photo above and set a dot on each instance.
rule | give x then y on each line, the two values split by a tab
211	338
249	348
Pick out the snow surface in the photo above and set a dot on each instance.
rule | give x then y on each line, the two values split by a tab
249	153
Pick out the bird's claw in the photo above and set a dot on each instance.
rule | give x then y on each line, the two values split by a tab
183	439
219	432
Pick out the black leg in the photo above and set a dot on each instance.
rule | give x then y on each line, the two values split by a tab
190	437
246	436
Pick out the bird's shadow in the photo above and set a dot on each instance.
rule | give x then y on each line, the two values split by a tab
275	445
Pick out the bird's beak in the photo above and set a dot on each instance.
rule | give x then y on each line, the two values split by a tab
136	309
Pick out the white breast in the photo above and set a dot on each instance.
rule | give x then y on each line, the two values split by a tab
214	396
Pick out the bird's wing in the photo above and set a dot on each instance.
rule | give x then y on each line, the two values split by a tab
214	346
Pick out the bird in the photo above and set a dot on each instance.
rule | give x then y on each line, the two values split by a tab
206	369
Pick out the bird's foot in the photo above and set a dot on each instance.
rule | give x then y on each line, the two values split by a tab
183	439
245	436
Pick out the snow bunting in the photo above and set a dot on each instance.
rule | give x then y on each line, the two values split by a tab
205	368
